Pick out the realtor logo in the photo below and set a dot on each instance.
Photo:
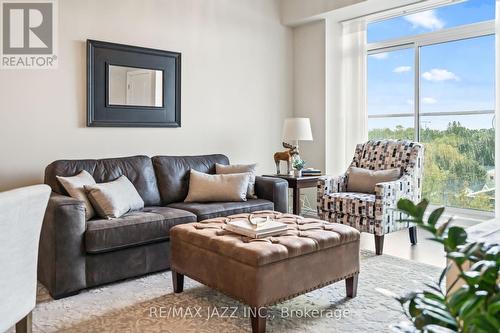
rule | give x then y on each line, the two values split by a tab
28	34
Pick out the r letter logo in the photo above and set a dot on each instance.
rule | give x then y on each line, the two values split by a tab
28	34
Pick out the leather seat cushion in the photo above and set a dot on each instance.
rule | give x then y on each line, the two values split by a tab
354	204
136	228
210	210
304	236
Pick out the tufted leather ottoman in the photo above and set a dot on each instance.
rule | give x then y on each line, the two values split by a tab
310	255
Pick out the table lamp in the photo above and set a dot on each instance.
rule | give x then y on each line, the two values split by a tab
297	129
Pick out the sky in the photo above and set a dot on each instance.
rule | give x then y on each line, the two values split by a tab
454	76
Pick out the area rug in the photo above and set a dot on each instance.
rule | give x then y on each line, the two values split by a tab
147	304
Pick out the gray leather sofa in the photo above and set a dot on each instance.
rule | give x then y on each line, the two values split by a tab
75	254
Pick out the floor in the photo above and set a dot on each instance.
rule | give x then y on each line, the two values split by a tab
398	244
425	251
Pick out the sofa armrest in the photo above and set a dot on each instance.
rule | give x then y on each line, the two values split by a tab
273	189
61	255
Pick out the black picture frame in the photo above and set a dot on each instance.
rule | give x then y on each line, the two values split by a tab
100	113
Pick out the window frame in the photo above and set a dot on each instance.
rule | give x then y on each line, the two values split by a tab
468	31
416	42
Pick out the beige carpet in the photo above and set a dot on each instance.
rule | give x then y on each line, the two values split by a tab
147	304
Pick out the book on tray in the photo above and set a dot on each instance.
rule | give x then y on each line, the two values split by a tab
256	229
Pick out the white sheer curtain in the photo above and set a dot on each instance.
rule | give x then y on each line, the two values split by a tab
497	110
346	92
354	84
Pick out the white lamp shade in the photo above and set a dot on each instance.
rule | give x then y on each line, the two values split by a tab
298	129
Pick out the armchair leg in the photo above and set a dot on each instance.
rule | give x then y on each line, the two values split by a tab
413	235
24	325
379	244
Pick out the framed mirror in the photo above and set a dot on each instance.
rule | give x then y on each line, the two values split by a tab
130	86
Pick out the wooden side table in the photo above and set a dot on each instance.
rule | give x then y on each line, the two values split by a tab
296	183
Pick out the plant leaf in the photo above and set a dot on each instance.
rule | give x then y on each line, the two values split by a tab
456	236
457	299
408	207
421	207
435	215
438	329
469	307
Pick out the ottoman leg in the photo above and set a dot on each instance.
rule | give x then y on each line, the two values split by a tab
178	282
258	319
351	286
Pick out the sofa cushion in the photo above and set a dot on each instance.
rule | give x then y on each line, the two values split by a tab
216	209
138	169
364	181
222	169
75	187
216	188
114	199
136	228
172	173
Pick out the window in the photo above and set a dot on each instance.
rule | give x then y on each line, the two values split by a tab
466	12
438	87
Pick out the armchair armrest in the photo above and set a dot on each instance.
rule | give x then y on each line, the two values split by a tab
387	194
329	184
61	255
391	192
273	189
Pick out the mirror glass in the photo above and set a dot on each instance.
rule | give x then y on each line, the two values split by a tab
135	86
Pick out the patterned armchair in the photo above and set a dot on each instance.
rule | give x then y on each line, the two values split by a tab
375	213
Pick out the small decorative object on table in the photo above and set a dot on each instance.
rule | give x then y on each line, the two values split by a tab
311	172
287	156
256	227
298	165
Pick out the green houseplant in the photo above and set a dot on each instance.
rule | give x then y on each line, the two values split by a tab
475	307
298	164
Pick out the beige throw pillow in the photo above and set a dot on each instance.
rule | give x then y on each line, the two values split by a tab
222	169
75	187
364	180
210	188
114	199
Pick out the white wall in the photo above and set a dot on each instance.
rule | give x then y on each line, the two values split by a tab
295	12
236	85
309	88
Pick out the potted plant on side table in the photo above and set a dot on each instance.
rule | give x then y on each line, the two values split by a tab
298	164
